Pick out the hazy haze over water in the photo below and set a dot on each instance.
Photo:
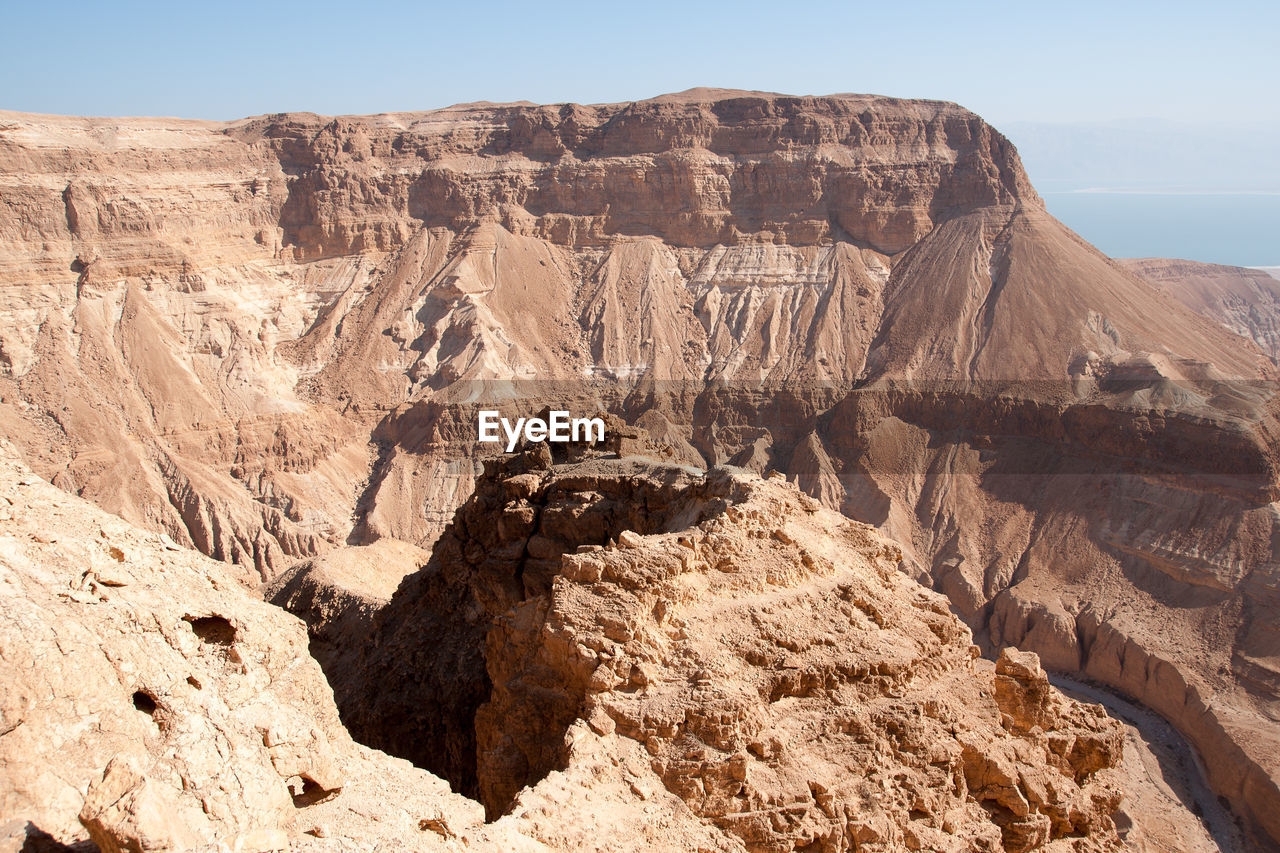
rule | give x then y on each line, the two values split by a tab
1156	188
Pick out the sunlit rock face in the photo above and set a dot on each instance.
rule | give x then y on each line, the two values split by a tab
269	339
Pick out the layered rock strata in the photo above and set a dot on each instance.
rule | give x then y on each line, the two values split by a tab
268	339
1246	301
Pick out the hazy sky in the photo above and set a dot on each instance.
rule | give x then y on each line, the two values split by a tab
1063	80
1017	61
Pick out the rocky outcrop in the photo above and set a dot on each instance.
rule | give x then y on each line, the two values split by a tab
763	658
503	546
788	685
186	714
182	710
153	702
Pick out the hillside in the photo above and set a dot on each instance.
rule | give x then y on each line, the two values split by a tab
269	338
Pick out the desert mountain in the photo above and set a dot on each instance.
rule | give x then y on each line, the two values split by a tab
269	338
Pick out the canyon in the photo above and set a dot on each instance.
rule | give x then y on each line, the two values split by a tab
269	341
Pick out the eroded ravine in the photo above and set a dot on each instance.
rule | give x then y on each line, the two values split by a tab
1164	769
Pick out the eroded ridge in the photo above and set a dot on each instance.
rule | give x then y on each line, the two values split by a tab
726	641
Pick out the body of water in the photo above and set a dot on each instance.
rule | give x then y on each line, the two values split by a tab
1236	228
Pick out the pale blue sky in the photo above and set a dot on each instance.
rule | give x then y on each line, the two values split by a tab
1064	81
1009	61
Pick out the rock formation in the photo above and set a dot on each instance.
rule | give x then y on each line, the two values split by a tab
1246	301
716	687
152	702
227	348
268	340
763	659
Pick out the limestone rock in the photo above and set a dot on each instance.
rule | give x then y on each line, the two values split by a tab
1023	692
734	649
127	811
152	697
268	339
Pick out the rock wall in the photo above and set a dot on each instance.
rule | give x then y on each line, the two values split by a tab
268	338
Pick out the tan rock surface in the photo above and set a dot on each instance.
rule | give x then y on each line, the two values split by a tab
735	646
339	594
1246	301
269	339
153	702
152	698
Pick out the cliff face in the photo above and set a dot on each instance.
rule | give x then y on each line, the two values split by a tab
270	337
186	299
693	170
